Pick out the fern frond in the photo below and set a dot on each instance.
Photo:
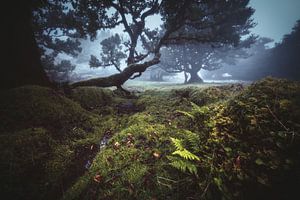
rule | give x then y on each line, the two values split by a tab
183	165
200	110
186	154
177	143
193	140
186	114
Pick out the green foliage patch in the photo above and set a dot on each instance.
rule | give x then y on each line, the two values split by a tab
224	142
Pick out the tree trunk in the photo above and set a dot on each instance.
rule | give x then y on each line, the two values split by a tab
22	58
195	78
185	77
120	78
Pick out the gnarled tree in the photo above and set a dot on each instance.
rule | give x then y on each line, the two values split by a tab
183	21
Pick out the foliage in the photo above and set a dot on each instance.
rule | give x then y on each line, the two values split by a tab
191	58
181	23
249	142
55	36
111	53
45	141
183	164
91	98
242	145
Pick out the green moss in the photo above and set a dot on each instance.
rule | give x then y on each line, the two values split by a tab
248	144
23	156
244	141
52	156
214	94
62	156
92	98
34	106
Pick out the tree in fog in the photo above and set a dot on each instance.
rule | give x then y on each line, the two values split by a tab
191	58
249	67
215	21
111	55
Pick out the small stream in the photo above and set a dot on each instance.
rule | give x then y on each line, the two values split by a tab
102	144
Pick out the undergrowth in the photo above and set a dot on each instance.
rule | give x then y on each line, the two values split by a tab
224	142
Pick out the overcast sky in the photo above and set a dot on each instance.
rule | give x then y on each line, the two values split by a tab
275	18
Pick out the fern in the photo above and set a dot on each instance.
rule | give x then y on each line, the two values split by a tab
186	154
186	114
177	143
193	140
196	111
183	165
200	110
183	162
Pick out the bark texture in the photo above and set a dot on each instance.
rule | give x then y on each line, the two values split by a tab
120	78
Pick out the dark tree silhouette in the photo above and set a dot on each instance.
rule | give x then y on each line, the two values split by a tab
21	54
285	55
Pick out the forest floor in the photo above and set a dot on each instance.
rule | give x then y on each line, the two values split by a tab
164	141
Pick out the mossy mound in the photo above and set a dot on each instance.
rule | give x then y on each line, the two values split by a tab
134	164
248	144
92	98
224	142
214	94
175	149
23	158
45	141
35	106
262	124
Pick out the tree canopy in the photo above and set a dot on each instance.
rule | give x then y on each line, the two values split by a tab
185	21
196	21
191	58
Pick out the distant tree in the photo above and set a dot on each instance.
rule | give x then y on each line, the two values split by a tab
253	65
191	58
59	72
111	55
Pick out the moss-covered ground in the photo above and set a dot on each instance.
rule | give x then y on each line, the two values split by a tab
215	142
